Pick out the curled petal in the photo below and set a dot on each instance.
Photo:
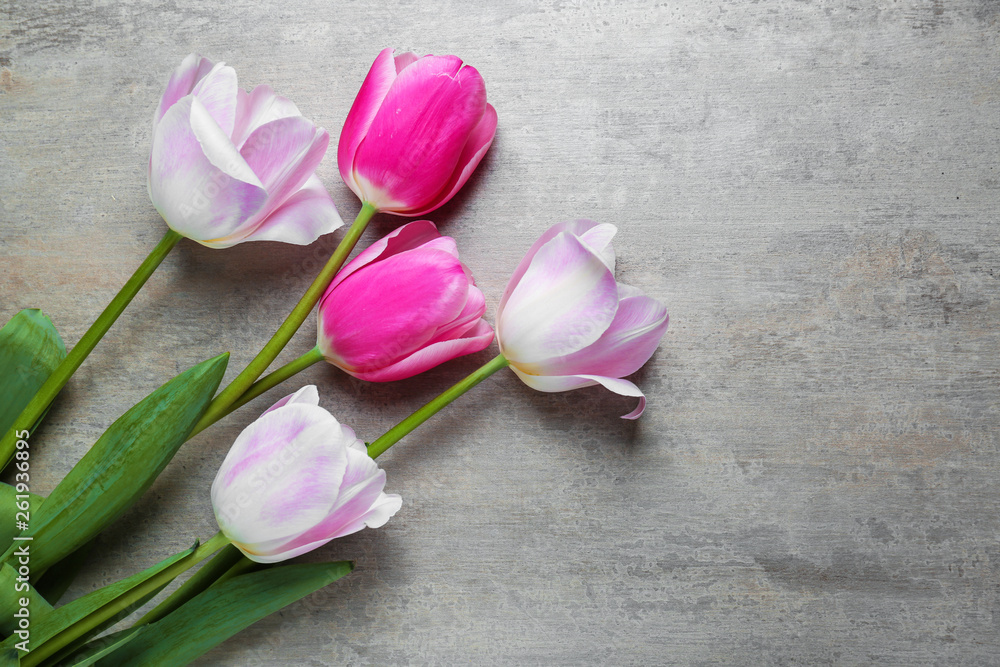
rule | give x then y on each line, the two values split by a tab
556	383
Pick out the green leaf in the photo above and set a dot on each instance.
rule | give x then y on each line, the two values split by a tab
223	610
12	592
10	657
9	510
121	465
101	647
30	349
83	610
56	580
220	565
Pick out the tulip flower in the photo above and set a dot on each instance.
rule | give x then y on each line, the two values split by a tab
564	322
417	130
294	480
226	166
404	305
229	166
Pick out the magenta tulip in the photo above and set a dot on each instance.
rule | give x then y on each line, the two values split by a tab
227	166
564	322
294	480
416	131
404	305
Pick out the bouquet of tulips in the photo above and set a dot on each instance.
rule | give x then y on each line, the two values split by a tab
227	167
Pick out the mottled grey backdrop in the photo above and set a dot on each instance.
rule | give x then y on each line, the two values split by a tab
811	188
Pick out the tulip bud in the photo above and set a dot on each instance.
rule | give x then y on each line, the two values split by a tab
296	479
416	131
564	322
227	166
403	306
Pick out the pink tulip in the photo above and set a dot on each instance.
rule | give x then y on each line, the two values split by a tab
296	479
564	322
404	305
416	131
227	166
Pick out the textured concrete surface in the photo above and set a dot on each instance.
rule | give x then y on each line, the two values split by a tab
811	187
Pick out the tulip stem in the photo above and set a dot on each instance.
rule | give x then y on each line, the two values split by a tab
35	408
269	381
71	635
400	430
243	382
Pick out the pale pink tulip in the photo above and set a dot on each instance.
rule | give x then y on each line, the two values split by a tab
417	130
229	166
401	307
296	479
564	322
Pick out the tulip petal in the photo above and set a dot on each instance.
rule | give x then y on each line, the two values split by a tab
183	79
393	309
404	60
409	236
628	343
359	118
475	148
217	92
303	218
257	108
557	383
599	239
475	307
307	394
574	227
198	182
280	477
564	301
414	142
479	338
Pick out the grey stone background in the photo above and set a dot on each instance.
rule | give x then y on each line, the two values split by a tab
811	188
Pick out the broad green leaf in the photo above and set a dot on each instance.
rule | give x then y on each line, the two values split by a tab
12	591
30	349
101	647
220	565
85	610
122	464
9	510
223	610
56	580
10	657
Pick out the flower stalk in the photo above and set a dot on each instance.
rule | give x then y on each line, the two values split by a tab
51	388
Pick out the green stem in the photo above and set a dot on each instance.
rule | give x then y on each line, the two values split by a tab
40	402
400	430
108	611
198	582
267	382
220	405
